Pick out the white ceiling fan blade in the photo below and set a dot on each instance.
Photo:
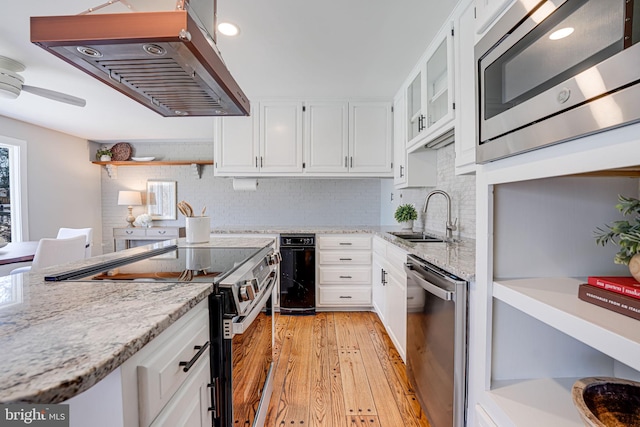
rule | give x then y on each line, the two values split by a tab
56	96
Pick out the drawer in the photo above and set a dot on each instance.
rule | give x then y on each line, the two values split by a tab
344	241
379	246
343	296
345	275
169	233
160	375
396	258
345	258
129	232
190	406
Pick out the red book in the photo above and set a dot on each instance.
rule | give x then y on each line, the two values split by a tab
624	285
610	300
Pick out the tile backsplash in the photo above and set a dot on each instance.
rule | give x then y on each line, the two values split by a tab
284	201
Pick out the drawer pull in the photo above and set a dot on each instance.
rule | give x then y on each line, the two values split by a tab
410	298
128	231
162	231
346	259
346	296
346	277
201	349
345	243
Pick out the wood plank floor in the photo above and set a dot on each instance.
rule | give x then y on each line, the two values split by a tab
339	369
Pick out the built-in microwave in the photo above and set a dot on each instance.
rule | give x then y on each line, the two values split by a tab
555	70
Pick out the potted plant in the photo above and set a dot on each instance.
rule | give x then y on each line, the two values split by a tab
625	234
405	215
104	154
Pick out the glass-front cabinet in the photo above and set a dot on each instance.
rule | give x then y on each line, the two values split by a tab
429	94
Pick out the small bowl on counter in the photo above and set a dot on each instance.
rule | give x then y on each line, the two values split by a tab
607	401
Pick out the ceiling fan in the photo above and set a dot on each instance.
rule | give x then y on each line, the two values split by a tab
11	84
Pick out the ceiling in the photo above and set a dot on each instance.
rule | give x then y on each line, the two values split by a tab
286	48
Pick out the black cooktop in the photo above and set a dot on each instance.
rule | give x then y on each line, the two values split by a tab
193	264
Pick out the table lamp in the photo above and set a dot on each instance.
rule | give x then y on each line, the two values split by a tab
130	199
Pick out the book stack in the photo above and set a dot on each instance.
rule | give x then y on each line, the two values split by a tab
617	293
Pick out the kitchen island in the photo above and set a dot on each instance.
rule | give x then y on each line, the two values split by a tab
58	339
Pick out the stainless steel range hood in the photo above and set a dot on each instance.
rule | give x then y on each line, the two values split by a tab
165	60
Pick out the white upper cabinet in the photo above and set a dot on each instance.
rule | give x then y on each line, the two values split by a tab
465	121
487	11
280	133
429	92
370	137
310	138
399	142
240	151
326	136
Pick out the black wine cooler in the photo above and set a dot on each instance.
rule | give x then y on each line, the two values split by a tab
298	274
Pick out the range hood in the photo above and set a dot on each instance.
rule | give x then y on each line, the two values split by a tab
165	60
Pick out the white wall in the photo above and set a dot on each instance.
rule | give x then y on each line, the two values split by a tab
63	185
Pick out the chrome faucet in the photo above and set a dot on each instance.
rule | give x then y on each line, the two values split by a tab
450	226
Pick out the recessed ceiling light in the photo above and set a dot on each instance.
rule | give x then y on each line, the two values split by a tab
561	33
228	29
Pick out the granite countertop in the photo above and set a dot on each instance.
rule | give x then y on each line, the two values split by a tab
60	338
457	257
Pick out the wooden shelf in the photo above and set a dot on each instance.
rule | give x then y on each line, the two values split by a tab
157	163
196	165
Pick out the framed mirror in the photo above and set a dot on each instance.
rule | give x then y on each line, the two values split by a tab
161	199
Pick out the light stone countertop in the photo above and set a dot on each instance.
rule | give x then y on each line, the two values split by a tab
58	339
458	258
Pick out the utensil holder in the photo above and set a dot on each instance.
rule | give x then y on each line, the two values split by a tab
198	229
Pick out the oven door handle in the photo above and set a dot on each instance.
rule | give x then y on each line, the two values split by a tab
244	322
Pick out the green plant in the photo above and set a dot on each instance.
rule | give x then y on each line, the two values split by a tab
406	212
103	152
625	234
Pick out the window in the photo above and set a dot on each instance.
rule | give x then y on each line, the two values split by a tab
13	196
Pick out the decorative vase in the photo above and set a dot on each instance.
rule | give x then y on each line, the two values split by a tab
634	267
407	225
105	158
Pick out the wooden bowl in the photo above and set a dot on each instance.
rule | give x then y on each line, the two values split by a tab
607	401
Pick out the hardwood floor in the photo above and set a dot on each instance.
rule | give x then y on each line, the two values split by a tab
339	369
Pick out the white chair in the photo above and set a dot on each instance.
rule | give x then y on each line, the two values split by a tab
65	233
52	252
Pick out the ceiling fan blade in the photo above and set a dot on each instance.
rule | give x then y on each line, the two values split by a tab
56	96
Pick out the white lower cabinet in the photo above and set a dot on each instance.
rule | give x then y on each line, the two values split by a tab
151	388
343	271
389	290
483	419
156	389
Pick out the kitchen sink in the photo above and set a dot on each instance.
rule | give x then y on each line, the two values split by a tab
417	237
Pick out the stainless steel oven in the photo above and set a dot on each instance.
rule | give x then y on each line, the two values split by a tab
437	341
551	71
242	337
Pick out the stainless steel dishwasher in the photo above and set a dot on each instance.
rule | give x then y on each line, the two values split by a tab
437	341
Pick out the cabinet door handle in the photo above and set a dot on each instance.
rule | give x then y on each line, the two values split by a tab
346	296
346	277
261	162
384	277
401	171
201	349
351	164
345	243
346	161
256	161
346	259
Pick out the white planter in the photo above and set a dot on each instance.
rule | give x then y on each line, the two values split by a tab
407	225
105	158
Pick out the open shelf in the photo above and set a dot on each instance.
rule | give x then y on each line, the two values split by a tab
196	165
555	302
536	402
